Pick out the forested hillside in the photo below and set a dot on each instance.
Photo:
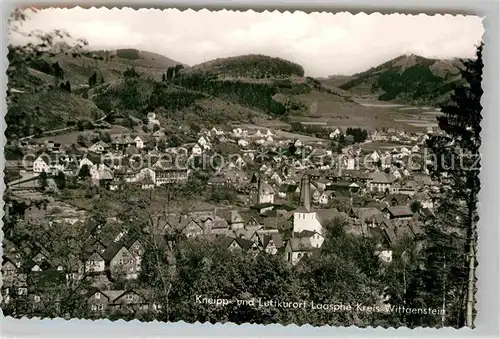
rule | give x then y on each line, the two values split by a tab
408	79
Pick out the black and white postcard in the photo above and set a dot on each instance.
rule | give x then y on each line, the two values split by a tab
239	166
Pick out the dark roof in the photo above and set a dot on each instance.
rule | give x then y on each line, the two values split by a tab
415	228
220	223
95	254
263	205
306	233
301	244
400	198
224	241
288	188
390	234
425	212
248	215
363	213
376	204
399	211
325	215
270	222
276	238
245	243
381	177
355	174
111	251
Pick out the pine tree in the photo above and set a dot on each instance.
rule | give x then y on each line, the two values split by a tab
452	234
42	180
170	73
93	79
60	180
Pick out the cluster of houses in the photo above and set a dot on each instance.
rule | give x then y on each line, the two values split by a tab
289	233
388	200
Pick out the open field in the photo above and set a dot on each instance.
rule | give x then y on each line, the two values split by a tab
381	145
282	134
71	137
368	114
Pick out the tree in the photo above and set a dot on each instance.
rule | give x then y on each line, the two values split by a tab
415	206
105	137
174	141
161	145
292	148
84	172
451	252
163	77
65	86
177	70
341	140
131	73
110	117
87	124
170	73
223	194
60	180
79	125
42	180
129	122
195	128
93	79
81	139
40	45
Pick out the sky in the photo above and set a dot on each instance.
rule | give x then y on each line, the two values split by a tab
323	43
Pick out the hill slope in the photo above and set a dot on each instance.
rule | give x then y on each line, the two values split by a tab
37	102
238	89
270	85
134	57
408	79
32	112
248	66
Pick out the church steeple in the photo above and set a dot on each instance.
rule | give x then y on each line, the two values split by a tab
259	189
255	192
305	195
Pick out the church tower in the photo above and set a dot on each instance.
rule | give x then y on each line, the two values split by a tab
304	217
305	192
255	190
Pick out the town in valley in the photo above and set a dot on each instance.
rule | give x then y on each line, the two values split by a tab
141	187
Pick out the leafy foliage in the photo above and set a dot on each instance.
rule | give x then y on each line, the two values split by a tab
253	65
414	83
254	95
409	79
443	272
128	53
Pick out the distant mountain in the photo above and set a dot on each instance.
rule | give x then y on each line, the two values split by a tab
134	57
248	66
244	88
274	86
409	79
222	90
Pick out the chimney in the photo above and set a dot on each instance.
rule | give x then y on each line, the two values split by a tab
305	195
